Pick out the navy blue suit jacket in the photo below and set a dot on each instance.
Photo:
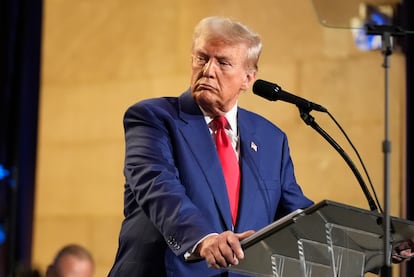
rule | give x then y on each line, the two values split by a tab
175	192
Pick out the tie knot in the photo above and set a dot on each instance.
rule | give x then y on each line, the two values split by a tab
220	122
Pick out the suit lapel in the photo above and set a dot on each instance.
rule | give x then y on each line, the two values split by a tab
197	135
250	156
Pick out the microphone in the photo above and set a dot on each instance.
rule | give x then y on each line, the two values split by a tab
274	92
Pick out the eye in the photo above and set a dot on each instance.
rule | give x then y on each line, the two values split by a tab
200	60
225	64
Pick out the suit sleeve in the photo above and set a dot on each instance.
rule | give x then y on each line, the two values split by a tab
153	178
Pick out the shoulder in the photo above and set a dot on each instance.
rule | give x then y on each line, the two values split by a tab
258	122
154	103
153	107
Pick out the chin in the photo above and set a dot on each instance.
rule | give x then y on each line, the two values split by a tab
205	96
207	103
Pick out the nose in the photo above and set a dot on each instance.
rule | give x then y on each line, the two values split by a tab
209	68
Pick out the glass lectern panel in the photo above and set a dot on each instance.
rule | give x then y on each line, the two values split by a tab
353	235
289	267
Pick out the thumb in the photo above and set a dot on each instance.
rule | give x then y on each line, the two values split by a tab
242	236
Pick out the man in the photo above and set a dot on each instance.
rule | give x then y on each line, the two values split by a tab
180	217
72	261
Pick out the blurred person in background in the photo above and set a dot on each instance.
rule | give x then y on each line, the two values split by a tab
72	261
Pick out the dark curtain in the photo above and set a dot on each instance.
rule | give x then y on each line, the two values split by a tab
20	40
408	23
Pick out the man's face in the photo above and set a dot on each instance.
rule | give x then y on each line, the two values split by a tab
219	74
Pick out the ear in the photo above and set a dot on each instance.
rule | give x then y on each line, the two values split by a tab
248	79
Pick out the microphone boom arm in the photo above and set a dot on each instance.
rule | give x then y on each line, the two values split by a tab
310	120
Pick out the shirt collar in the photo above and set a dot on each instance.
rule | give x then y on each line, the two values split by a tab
231	117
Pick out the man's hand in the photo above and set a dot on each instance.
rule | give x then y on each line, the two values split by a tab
223	250
403	251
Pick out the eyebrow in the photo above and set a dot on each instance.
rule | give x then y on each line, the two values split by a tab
218	57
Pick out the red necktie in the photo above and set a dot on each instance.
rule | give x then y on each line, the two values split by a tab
229	164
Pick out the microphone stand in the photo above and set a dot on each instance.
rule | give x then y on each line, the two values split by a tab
386	33
310	120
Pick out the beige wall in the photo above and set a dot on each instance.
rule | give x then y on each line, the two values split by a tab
100	56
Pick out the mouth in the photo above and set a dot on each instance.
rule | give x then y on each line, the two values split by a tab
205	87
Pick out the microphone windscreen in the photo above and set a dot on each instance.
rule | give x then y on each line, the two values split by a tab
266	90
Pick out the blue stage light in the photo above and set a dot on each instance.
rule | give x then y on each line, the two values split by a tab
2	235
3	172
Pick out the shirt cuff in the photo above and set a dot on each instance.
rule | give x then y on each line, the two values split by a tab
191	255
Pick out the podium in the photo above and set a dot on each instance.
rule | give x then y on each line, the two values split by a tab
328	239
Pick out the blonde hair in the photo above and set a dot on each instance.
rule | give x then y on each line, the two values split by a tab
231	31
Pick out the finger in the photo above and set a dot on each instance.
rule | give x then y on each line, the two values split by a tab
227	250
209	257
221	252
245	234
235	247
221	259
208	250
406	253
234	242
216	261
396	259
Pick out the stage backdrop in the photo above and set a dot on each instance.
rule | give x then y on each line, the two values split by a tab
101	56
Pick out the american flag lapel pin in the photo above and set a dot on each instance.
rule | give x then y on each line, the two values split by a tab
253	146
